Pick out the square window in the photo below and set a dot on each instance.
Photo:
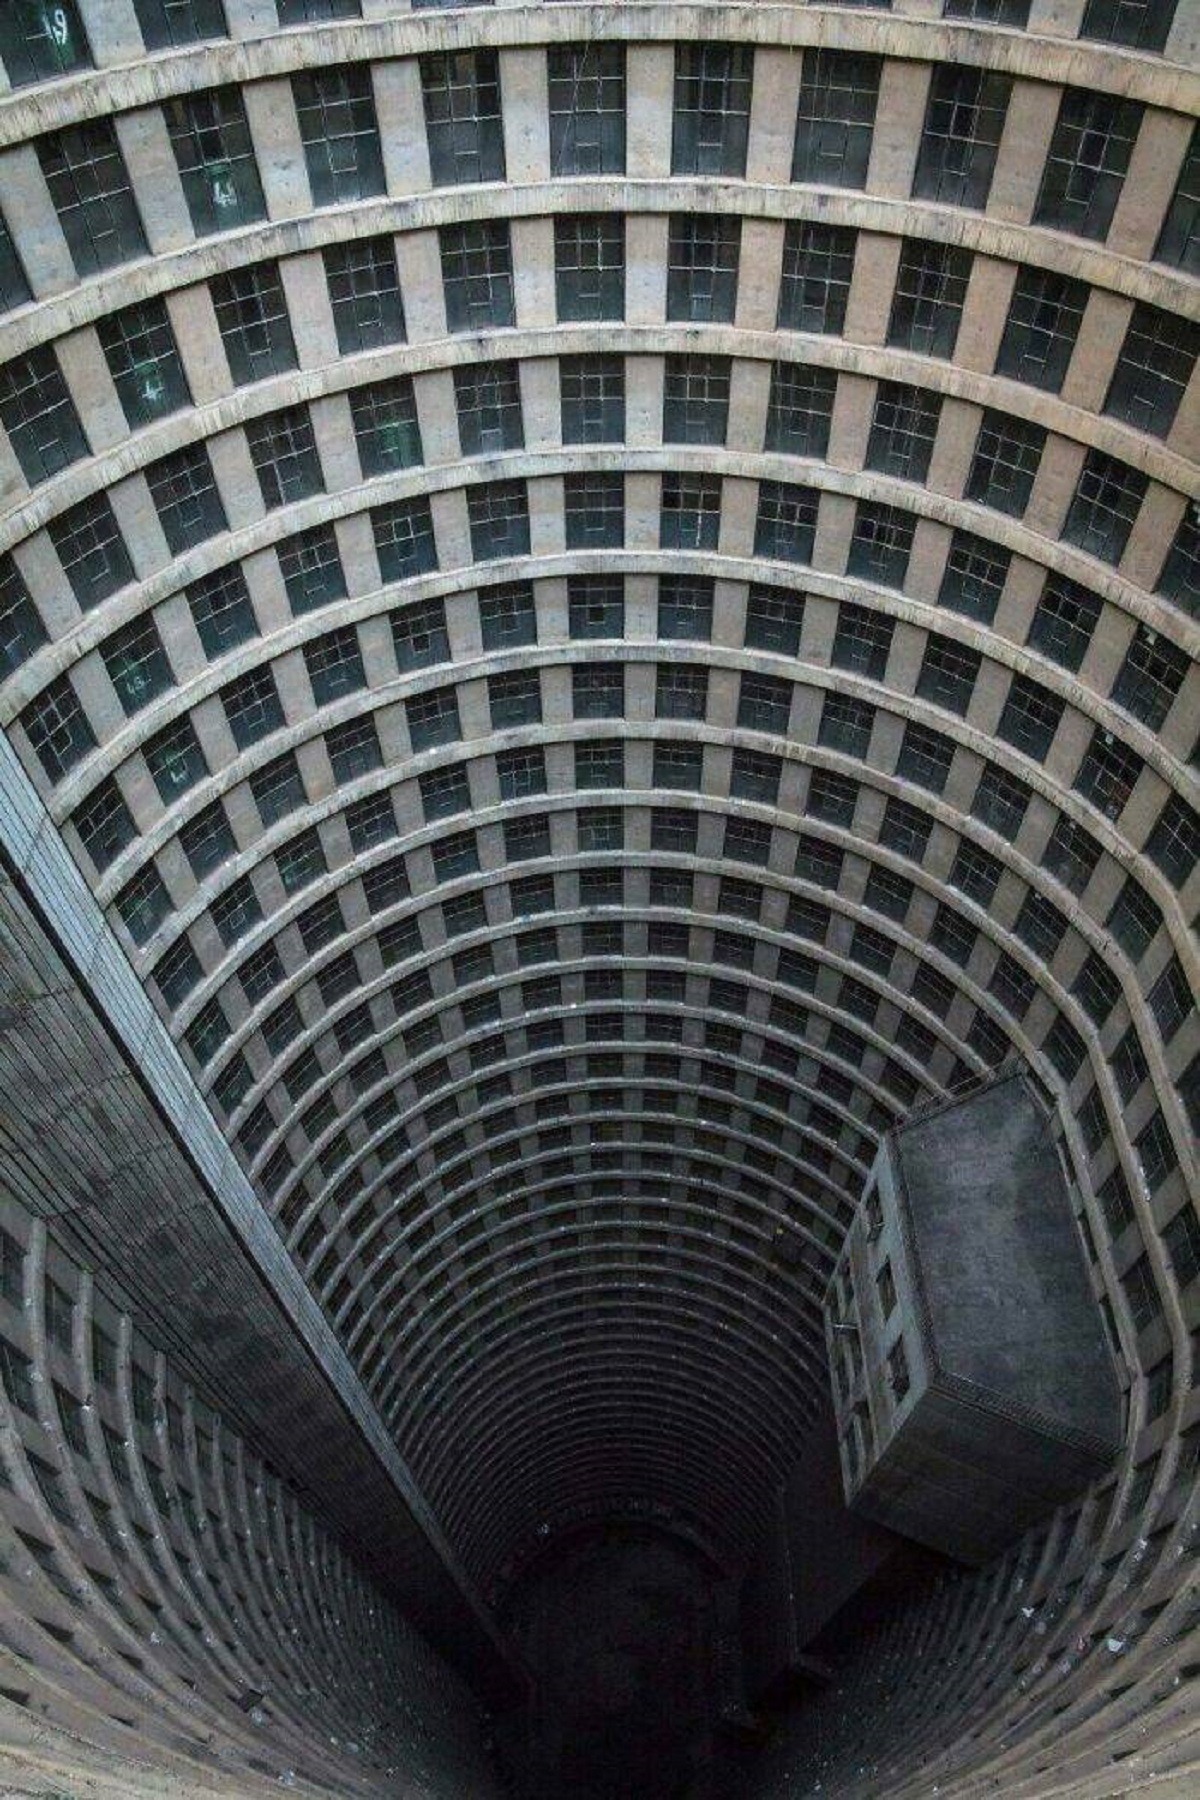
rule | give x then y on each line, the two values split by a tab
1066	618
594	511
925	757
39	416
520	773
1030	717
404	539
137	664
832	797
186	498
371	822
681	692
1179	240
903	429
1001	801
57	728
835	121
685	607
335	665
755	776
278	789
255	327
385	426
284	453
764	704
364	291
1108	773
477	276
143	904
178	973
678	767
507	615
862	641
515	700
104	825
774	620
818	262
702	267
800	409
168	24
964	118
905	829
1175	840
596	606
786	526
215	157
975	873
592	397
589	266
846	724
712	109
89	187
600	765
498	514
888	893
336	115
975	574
207	840
236	911
1150	677
1040	926
463	122
931	288
419	636
175	760
222	611
1071	855
1044	316
252	707
353	749
1007	454
1085	168
139	346
948	674
299	863
488	399
696	399
89	545
587	108
39	43
526	838
433	718
312	571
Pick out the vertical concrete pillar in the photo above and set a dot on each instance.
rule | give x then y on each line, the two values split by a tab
524	82
649	106
400	112
278	150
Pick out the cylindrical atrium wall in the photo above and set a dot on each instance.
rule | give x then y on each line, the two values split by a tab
605	599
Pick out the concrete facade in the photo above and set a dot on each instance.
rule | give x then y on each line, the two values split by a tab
558	853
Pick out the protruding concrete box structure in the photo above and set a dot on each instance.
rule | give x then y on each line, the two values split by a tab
973	1384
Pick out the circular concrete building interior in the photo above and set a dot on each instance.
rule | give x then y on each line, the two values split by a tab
597	612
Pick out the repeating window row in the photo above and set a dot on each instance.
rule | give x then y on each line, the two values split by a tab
36	45
211	136
1148	384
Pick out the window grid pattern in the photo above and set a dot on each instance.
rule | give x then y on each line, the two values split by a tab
1045	316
